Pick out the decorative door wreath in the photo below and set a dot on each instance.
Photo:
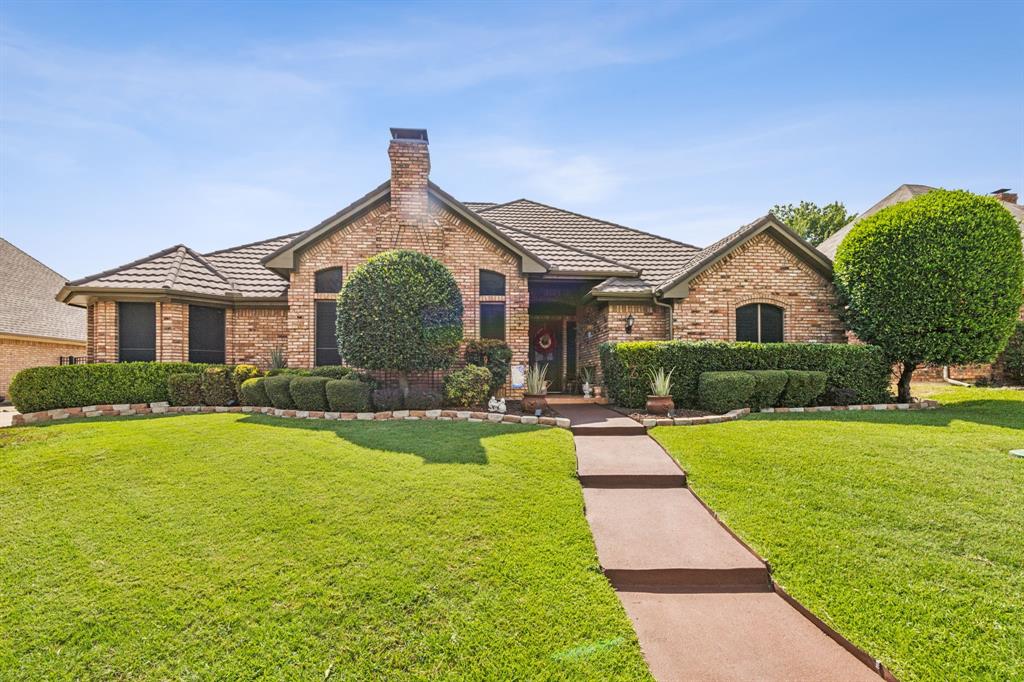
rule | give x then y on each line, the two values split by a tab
544	340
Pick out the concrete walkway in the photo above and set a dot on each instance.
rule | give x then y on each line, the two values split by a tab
702	603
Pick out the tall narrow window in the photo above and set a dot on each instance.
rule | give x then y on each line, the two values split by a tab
492	321
205	334
327	333
136	327
492	283
328	281
759	322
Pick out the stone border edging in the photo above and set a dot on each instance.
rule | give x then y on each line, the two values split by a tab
733	415
127	410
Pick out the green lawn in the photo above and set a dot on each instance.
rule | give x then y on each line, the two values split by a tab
236	547
904	530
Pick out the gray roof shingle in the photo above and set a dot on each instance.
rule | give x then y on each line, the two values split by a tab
27	304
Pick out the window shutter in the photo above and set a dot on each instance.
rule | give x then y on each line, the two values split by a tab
746	323
136	327
327	333
205	334
771	324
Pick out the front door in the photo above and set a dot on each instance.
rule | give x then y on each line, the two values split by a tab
547	347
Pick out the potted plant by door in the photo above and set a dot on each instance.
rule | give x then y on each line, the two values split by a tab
537	383
660	399
586	377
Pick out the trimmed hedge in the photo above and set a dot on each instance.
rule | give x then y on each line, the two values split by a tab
626	366
253	392
309	393
720	392
803	388
330	371
347	395
278	390
768	387
241	373
467	386
218	386
48	388
185	389
388	399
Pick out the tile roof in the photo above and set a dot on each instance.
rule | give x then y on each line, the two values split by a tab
562	257
27	304
177	268
241	264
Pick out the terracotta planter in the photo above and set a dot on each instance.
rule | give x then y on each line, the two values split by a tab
660	404
533	402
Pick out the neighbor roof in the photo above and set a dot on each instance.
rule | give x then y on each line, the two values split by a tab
27	306
899	195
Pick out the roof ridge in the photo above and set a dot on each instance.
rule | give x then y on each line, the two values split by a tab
209	266
137	261
566	246
599	220
172	277
243	246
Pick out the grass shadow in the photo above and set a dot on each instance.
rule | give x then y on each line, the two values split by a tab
1004	413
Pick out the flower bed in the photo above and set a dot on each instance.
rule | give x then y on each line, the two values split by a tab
126	410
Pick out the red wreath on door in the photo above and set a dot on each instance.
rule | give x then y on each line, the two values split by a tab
544	340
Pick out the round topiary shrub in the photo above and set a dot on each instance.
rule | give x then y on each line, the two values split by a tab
253	392
185	388
937	279
348	395
467	386
309	393
400	311
277	391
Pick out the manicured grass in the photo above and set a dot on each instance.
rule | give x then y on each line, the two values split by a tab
235	547
903	530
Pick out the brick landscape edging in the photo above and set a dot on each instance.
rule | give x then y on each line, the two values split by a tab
128	410
733	415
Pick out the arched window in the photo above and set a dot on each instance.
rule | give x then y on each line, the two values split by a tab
759	322
328	281
492	283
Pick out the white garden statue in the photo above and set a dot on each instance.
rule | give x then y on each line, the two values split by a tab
495	405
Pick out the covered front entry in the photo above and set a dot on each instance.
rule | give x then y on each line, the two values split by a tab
553	339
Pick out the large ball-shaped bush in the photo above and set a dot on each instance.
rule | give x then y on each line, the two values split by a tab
400	311
935	279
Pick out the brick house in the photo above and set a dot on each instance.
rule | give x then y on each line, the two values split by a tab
992	372
552	283
35	329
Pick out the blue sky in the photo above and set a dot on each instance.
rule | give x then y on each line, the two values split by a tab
128	127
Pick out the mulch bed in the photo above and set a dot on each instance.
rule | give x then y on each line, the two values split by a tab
511	407
640	415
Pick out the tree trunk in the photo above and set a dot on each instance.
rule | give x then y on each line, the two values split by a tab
903	394
403	383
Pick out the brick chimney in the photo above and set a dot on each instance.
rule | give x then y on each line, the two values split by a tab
410	171
1005	195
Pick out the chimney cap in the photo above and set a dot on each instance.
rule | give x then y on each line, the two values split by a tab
409	134
1002	190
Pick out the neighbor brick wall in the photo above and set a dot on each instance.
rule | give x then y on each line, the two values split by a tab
460	246
19	354
759	271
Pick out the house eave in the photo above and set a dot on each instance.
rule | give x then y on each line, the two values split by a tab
82	296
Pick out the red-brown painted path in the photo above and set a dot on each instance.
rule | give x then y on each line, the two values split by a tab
703	604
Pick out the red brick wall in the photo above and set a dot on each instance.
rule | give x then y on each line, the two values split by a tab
607	322
101	331
253	332
171	332
759	271
461	247
18	354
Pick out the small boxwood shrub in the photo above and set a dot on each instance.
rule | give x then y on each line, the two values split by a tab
467	386
218	386
1013	355
309	393
278	392
720	392
48	388
421	399
185	389
348	395
388	399
241	373
803	388
493	354
768	387
330	371
627	366
253	392
277	371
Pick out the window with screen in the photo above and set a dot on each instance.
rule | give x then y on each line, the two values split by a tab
136	325
492	321
759	322
492	283
328	281
205	334
327	334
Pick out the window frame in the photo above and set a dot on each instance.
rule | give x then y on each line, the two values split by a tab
759	308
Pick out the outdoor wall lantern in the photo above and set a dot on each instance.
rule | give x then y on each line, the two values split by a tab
629	323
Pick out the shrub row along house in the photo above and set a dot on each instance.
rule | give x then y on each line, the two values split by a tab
551	283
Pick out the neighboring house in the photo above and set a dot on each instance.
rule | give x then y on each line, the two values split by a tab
552	283
35	329
905	193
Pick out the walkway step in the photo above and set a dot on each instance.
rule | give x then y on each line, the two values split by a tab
730	636
663	538
614	462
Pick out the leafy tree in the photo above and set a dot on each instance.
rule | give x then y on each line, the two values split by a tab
814	223
939	279
401	311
